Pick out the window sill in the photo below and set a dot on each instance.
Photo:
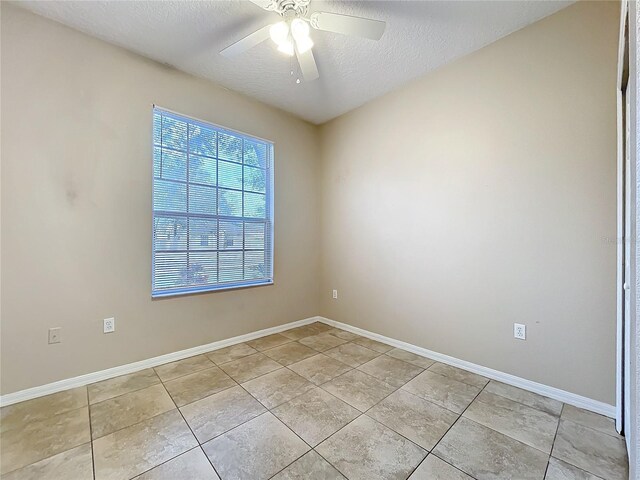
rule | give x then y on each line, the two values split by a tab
209	289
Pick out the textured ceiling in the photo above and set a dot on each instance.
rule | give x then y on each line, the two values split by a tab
420	37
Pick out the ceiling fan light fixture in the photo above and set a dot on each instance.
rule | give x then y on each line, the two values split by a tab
286	47
304	44
299	28
279	33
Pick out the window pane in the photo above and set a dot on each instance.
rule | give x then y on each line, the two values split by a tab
157	129
203	234
254	266
202	199
230	266
254	235
255	153
170	270
157	159
203	267
230	175
202	170
169	196
174	133
230	235
255	179
205	181
169	233
173	165
202	141
229	147
254	205
230	203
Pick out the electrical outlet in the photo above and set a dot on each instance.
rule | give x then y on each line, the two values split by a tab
55	335
519	331
335	294
109	325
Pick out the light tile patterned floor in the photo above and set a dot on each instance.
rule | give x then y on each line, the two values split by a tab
313	402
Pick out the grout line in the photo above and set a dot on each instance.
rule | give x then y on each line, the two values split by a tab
327	356
188	373
453	424
320	455
196	438
125	393
426	400
206	396
301	439
510	437
233	428
582	425
139	421
208	459
166	461
553	444
288	400
93	460
526	404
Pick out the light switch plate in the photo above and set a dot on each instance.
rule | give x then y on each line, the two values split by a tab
55	335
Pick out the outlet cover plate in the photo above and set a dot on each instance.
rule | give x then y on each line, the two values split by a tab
519	331
109	325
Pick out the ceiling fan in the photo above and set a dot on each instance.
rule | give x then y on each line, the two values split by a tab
291	34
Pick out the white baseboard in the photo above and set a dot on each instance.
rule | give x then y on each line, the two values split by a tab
551	392
82	380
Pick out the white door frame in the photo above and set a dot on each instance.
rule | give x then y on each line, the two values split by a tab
628	391
633	377
622	232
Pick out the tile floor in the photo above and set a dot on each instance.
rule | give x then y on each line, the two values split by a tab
310	403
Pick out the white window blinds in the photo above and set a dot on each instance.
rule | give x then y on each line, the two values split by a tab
212	207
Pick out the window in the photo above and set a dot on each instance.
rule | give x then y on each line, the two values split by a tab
212	207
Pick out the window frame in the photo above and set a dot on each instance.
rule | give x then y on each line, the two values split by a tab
268	220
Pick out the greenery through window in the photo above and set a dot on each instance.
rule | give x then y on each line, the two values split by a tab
212	207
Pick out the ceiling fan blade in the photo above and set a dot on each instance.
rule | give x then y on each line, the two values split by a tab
348	25
307	65
266	4
247	42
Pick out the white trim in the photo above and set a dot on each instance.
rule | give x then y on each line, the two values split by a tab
42	390
620	230
551	392
633	376
623	208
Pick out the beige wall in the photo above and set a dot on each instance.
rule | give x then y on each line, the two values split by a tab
76	207
476	197
482	195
